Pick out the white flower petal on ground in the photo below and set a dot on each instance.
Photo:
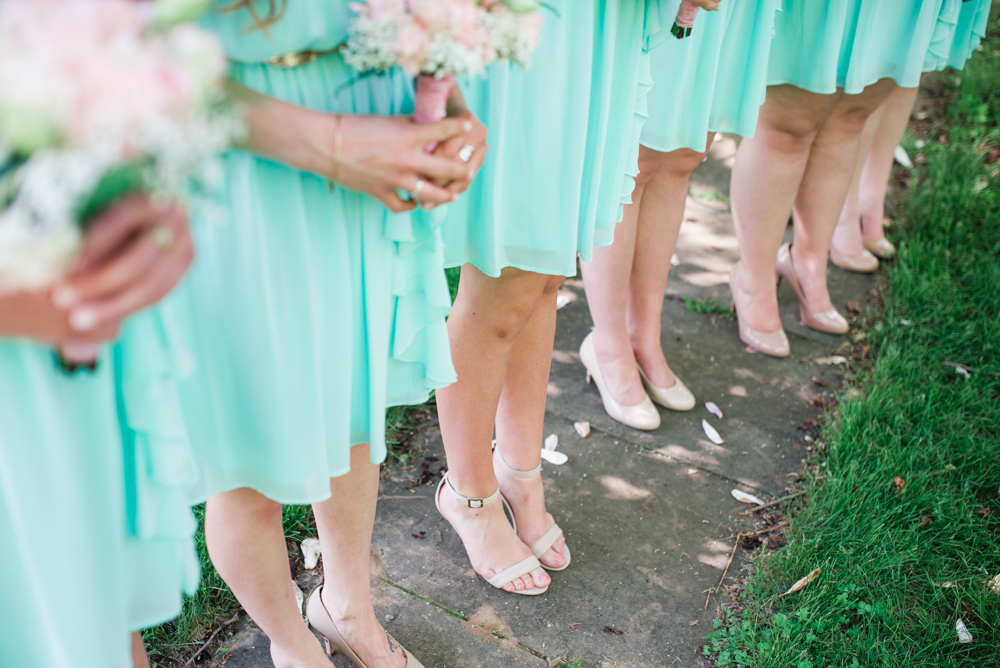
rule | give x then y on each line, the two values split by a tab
712	434
552	442
554	457
902	157
744	497
582	428
299	596
964	637
310	553
713	409
833	360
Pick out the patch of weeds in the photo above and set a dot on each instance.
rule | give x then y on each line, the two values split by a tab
709	307
575	662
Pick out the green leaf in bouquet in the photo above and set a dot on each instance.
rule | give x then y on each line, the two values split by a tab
168	13
117	184
9	180
26	131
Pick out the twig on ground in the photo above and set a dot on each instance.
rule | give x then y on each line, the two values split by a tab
739	537
776	502
208	642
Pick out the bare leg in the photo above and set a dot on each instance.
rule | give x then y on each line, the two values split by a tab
520	422
824	187
661	212
847	236
769	169
878	167
489	314
139	658
247	545
606	280
345	522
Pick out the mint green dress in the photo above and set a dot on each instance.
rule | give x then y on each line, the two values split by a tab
96	539
851	44
564	138
960	29
309	311
714	80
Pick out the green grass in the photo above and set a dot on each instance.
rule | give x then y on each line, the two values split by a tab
879	600
708	306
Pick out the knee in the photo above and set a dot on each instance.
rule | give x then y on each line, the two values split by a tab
552	286
684	161
507	323
246	502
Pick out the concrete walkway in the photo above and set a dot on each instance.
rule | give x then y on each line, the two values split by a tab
649	516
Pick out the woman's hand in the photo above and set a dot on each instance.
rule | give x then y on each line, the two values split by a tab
133	255
382	155
469	147
372	154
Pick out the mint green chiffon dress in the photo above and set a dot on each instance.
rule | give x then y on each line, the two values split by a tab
96	537
851	44
310	310
960	29
564	141
714	80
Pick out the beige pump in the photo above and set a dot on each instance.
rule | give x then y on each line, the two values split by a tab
830	320
641	416
774	343
320	619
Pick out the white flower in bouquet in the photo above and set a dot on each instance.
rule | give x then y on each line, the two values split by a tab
98	102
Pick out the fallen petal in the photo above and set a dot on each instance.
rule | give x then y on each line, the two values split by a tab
582	428
902	157
310	553
740	495
995	584
712	434
552	442
964	636
555	457
713	409
562	299
833	360
801	584
299	596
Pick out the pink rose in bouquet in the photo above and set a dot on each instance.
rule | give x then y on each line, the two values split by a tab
436	40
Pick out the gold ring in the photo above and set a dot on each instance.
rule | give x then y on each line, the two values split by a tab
163	237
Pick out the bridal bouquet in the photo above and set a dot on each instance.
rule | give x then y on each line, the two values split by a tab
100	99
435	40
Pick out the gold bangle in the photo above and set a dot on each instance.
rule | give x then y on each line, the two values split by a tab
338	144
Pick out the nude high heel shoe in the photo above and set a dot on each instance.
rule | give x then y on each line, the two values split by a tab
552	534
829	321
862	263
677	397
774	343
881	248
320	619
508	575
641	416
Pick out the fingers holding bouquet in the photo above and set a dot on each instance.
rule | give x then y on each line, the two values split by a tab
133	255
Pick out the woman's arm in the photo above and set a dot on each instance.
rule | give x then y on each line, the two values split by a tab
372	154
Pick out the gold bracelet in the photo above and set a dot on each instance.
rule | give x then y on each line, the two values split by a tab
338	144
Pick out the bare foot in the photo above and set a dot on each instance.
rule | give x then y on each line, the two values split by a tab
526	497
490	540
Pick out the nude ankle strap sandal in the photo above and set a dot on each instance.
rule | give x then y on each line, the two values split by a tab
551	535
321	620
505	577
